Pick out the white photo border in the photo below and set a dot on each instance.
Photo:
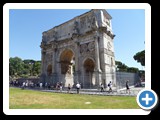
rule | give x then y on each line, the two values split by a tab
9	6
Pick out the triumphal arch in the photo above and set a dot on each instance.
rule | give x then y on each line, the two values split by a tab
79	50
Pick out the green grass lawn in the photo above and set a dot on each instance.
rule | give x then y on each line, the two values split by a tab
29	99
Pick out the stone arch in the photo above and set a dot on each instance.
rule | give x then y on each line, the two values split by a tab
66	60
80	38
88	73
89	65
65	49
49	69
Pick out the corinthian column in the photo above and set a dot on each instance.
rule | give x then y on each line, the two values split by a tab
76	56
53	61
97	54
97	60
76	74
42	59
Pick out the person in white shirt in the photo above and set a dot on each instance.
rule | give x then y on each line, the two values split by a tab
78	87
60	86
41	84
23	85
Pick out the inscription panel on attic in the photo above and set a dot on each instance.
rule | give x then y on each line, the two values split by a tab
79	50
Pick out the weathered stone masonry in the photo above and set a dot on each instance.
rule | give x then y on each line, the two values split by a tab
80	50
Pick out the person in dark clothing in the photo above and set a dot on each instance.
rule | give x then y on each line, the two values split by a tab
110	87
69	88
127	86
102	87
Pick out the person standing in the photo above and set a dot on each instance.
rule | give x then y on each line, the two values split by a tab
69	88
23	85
60	85
78	87
41	85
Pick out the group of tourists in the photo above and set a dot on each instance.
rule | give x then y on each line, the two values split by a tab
59	86
109	86
30	84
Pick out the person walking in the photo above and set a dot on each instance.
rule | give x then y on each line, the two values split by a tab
102	87
127	86
110	86
57	86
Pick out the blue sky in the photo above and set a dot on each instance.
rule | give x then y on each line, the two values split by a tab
26	27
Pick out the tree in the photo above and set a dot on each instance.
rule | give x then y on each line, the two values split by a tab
140	57
133	69
118	63
25	68
37	68
29	65
15	66
121	67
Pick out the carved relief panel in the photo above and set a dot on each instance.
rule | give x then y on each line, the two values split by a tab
105	20
109	46
91	46
87	47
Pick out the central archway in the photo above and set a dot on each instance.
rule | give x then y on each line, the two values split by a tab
89	78
67	67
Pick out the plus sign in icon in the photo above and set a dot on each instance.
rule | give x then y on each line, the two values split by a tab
147	99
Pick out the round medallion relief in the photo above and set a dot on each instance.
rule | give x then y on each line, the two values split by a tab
83	48
91	46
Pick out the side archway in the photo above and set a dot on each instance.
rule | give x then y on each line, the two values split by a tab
88	73
89	65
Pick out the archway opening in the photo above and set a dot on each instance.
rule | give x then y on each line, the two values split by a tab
49	70
67	62
89	65
89	78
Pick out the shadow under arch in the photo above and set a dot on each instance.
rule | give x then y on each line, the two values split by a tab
88	73
66	60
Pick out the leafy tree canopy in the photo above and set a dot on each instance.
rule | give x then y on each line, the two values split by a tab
21	68
121	67
140	57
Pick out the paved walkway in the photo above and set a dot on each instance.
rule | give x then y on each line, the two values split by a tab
122	92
